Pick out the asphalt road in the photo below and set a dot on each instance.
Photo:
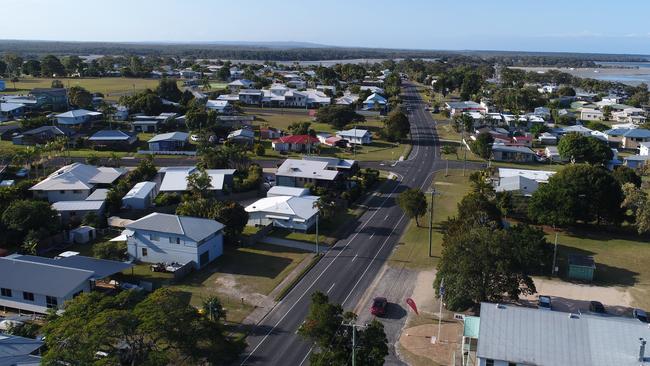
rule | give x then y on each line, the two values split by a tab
349	267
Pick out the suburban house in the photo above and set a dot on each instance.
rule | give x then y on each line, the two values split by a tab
547	138
347	167
41	135
164	238
591	114
347	99
543	112
220	106
171	141
113	139
522	181
355	136
141	196
37	284
512	335
251	96
121	113
298	173
75	182
175	178
289	212
270	133
76	117
629	138
74	211
644	148
456	108
239	84
242	136
10	111
300	143
7	132
143	123
636	161
501	152
54	99
375	102
19	351
276	191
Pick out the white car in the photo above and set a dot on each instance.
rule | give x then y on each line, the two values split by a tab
544	302
194	138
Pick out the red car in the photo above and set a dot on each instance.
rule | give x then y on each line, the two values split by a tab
379	306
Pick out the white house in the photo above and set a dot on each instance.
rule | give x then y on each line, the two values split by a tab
591	114
297	173
175	178
75	182
355	136
9	111
462	107
375	101
168	141
141	196
76	117
74	211
276	191
221	106
522	181
644	149
238	84
289	212
164	238
547	138
244	136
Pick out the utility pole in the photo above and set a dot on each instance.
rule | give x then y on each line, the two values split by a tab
433	192
354	327
554	253
317	218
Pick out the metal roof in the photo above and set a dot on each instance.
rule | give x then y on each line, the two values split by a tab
77	113
101	268
40	278
306	169
12	346
98	195
78	205
194	228
140	190
287	191
300	207
175	179
78	176
534	337
170	136
110	135
332	162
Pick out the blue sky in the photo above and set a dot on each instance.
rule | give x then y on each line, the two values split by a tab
526	25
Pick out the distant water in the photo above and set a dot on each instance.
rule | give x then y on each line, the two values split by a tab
631	73
625	64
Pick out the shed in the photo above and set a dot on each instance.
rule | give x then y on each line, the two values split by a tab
581	267
82	234
140	196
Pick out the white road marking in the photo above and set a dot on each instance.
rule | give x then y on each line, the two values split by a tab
307	355
373	234
385	218
331	287
355	258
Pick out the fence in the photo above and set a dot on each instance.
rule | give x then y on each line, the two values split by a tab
177	152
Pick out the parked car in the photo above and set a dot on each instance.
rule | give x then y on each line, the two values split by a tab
194	138
22	172
544	302
641	315
597	307
379	306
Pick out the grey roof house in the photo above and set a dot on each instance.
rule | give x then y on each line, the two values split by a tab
19	351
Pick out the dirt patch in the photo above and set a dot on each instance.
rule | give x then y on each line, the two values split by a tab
226	284
419	340
423	293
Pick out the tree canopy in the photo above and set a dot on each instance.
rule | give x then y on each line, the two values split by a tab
413	202
584	149
338	116
396	126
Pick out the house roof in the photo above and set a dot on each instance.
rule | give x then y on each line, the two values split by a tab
78	176
242	134
98	194
296	139
353	132
375	98
8	107
541	176
78	205
194	228
463	105
140	190
241	82
110	135
40	278
300	207
332	162
56	130
533	337
287	191
306	169
170	136
217	104
77	113
516	183
101	268
12	347
175	178
629	132
514	149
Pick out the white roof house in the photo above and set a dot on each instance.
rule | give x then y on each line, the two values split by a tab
522	185
332	162
76	117
540	176
243	134
298	213
76	179
84	205
170	136
140	196
355	136
221	106
276	191
175	178
306	169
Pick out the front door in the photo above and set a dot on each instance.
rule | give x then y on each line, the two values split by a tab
204	259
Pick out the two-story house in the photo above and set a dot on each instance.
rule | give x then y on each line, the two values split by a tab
164	238
75	182
298	173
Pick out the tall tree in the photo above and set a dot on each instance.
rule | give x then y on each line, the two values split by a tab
51	67
80	97
168	89
413	203
584	149
483	145
338	116
32	67
396	126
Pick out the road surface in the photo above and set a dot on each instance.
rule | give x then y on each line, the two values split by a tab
349	267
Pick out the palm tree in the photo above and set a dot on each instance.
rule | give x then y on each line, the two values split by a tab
213	308
205	83
26	156
108	110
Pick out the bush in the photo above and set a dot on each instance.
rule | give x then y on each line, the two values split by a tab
112	250
166	199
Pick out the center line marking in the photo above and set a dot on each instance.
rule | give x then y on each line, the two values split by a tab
373	234
330	289
355	257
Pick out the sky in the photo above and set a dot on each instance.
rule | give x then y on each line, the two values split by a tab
524	25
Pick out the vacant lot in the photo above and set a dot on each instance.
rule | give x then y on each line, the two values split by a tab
112	88
413	249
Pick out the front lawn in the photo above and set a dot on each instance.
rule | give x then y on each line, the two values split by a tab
112	87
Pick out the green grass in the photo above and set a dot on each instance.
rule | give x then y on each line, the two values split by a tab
329	230
112	87
621	260
445	129
217	85
413	249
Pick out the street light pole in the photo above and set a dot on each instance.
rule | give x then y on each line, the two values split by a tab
354	326
317	218
433	192
554	254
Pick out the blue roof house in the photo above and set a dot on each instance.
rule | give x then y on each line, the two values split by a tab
168	141
76	117
374	101
164	238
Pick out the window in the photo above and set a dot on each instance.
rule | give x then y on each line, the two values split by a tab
144	252
76	191
154	237
173	240
51	302
489	362
512	364
62	192
28	296
5	292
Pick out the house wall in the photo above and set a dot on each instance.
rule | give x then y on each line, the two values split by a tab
161	250
65	195
259	218
633	142
481	362
139	203
67	216
39	304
